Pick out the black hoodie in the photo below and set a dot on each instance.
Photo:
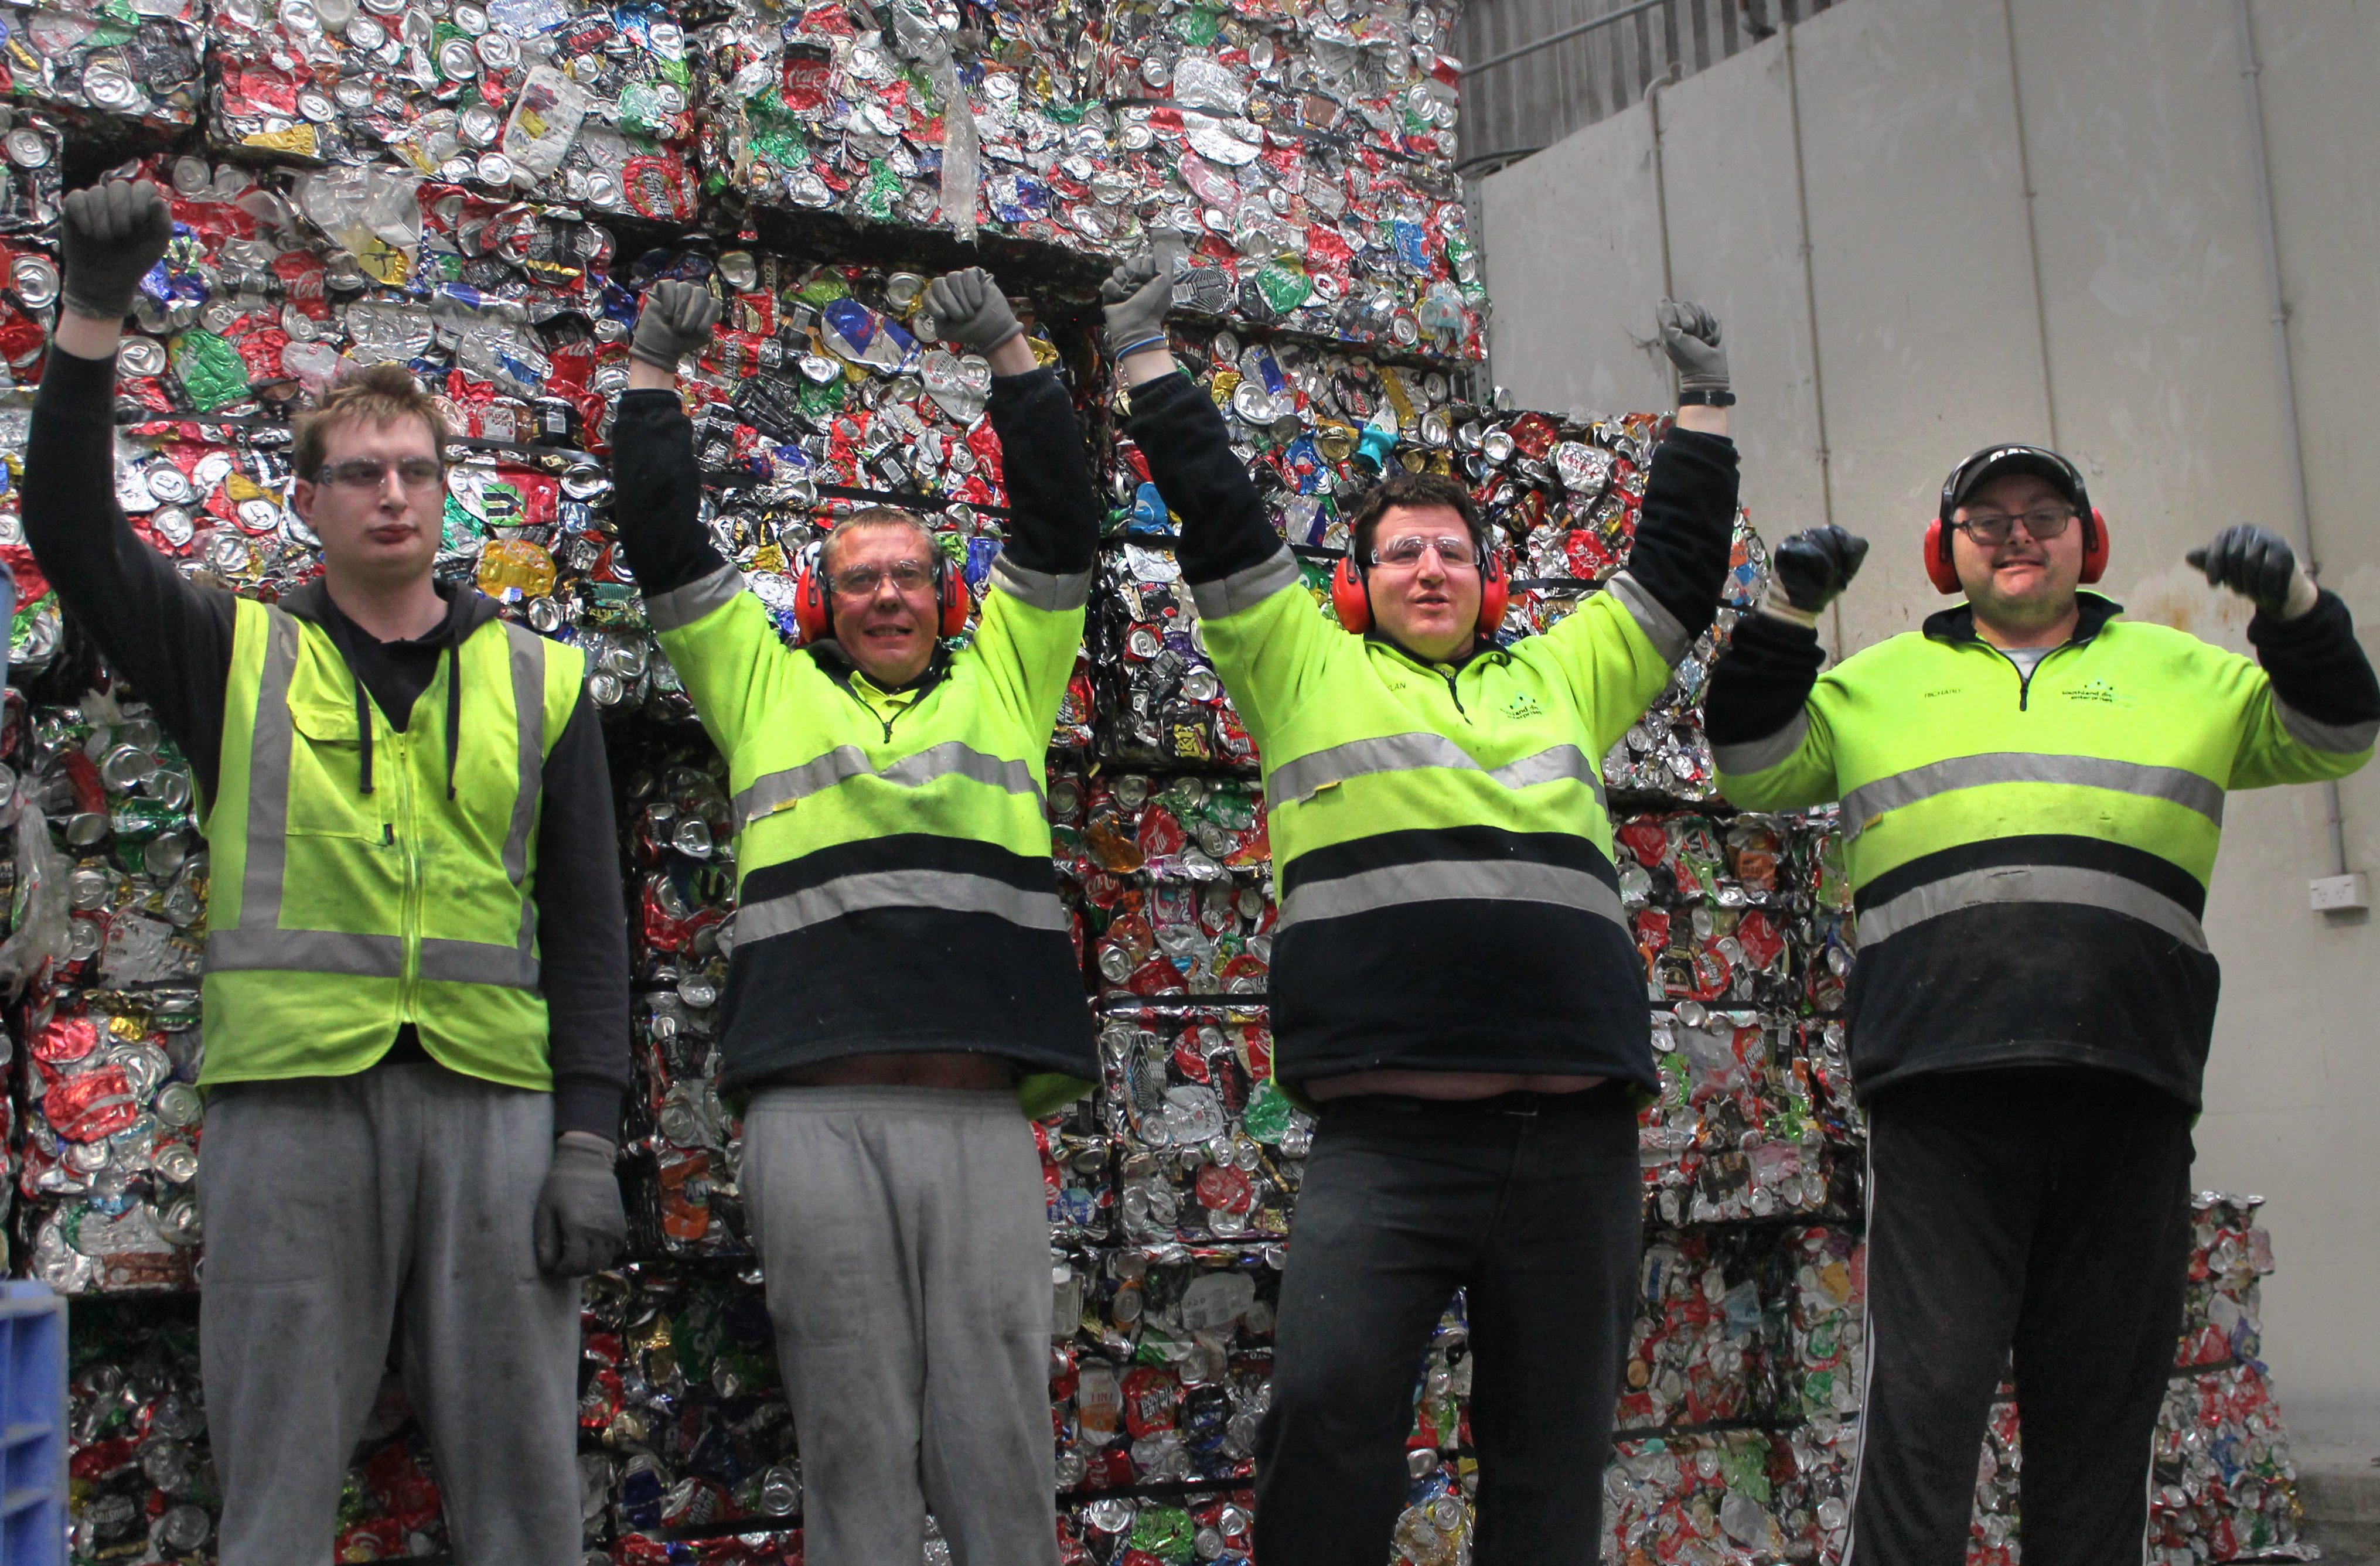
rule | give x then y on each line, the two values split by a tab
171	639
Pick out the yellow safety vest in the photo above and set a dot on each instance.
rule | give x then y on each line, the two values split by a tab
339	915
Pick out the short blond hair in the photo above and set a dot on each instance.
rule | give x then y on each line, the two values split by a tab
383	394
877	517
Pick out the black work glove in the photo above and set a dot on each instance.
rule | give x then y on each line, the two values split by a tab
109	236
1809	571
1690	336
1136	296
971	310
580	1221
676	321
2259	565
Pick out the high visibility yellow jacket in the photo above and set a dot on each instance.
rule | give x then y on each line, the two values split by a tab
1439	833
893	874
350	898
2030	853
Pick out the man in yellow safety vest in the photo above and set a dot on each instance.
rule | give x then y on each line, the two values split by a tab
415	988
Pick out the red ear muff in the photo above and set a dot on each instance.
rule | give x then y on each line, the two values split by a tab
1938	567
813	616
2095	545
950	582
1350	597
1495	594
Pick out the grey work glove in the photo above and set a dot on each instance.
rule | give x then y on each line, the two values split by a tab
2259	565
1809	570
677	321
1136	296
1690	336
580	1222
971	309
109	237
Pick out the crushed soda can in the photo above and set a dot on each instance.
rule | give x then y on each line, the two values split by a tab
141	1484
1206	1525
111	69
1709	1342
589	106
1209	1146
681	1415
1166	1369
31	145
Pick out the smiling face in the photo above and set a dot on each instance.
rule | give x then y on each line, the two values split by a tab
385	534
2022	587
887	626
1431	607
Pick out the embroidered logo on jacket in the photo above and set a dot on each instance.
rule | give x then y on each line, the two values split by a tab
2096	690
1520	704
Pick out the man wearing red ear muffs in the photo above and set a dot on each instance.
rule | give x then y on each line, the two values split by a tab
1453	980
2031	794
902	990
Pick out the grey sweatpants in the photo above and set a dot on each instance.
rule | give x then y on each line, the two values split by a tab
905	1240
340	1211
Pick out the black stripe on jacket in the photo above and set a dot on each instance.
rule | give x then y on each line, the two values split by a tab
905	979
2034	983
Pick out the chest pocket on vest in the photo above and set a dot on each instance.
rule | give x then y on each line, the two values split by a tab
326	796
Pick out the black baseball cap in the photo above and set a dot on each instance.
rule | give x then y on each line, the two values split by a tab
1994	462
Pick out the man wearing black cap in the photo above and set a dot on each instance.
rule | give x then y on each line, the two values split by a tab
2031	796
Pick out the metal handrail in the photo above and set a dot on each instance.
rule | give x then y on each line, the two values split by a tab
1548	42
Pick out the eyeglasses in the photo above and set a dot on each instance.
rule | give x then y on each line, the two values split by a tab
1409	550
369	473
861	581
1991	528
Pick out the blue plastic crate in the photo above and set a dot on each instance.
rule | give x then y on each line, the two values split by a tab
32	1426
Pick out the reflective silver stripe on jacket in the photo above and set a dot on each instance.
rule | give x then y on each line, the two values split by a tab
1041	590
527	658
683	606
2336	739
943	890
1245	588
1759	755
258	942
366	956
773	791
2029	883
1660	627
1295	781
2178	786
1445	881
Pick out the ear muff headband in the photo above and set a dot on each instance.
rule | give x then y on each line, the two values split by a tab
1940	567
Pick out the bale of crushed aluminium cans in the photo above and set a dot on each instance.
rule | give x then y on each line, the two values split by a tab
1728	1496
1710	1343
1167	1369
141	1487
1827	1322
2229	1253
682	1417
683	1145
1122	1531
591	105
1158	699
1170	876
1079	1170
2224	1488
820	109
1209	1146
111	67
111	1110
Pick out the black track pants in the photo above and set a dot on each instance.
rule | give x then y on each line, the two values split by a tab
1535	1214
2043	1211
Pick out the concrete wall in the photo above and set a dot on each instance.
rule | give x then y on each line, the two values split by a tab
2123	313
